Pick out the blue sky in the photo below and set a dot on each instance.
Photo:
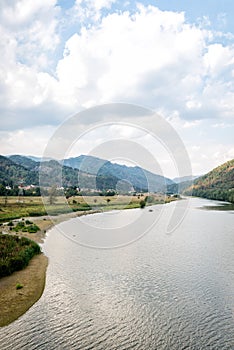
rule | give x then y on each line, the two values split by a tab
174	57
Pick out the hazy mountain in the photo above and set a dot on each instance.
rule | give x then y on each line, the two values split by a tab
217	184
38	159
178	180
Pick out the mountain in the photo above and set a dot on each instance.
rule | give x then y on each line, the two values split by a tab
139	178
95	173
24	161
178	180
28	172
217	184
38	159
12	174
86	172
180	184
54	172
179	187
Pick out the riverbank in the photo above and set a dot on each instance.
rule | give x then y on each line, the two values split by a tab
15	302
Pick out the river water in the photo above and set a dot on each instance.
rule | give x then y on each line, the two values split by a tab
160	292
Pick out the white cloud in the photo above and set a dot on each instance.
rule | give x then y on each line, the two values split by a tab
31	141
112	61
32	25
150	57
90	10
145	56
21	12
218	59
206	157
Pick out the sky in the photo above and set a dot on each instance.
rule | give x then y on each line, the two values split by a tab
175	57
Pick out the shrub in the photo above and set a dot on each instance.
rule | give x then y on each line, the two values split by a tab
19	286
33	228
16	253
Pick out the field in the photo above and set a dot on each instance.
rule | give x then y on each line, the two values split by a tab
11	208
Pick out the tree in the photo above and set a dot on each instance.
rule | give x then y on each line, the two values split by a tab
52	194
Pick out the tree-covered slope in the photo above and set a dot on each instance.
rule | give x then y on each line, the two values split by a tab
13	174
217	184
83	171
24	171
24	161
139	178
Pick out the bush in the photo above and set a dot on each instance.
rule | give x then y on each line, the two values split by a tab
33	228
16	253
19	286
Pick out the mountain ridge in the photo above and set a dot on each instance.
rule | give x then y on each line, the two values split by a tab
92	172
137	176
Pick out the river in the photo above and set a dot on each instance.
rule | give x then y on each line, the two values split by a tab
162	291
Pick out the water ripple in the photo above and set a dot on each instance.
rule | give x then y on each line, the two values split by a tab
162	292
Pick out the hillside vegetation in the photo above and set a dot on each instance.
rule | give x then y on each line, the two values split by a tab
17	170
138	177
85	172
218	184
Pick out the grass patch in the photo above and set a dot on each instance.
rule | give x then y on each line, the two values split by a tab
19	286
26	226
34	206
16	252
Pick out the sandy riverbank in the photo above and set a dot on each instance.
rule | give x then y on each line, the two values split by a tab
14	303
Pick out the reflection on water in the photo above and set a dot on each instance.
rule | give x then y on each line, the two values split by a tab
161	292
220	206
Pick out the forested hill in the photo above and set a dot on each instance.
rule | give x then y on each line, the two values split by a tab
12	174
217	184
84	172
139	178
19	170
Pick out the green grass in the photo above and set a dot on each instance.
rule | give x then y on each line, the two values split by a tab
34	206
16	252
26	226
